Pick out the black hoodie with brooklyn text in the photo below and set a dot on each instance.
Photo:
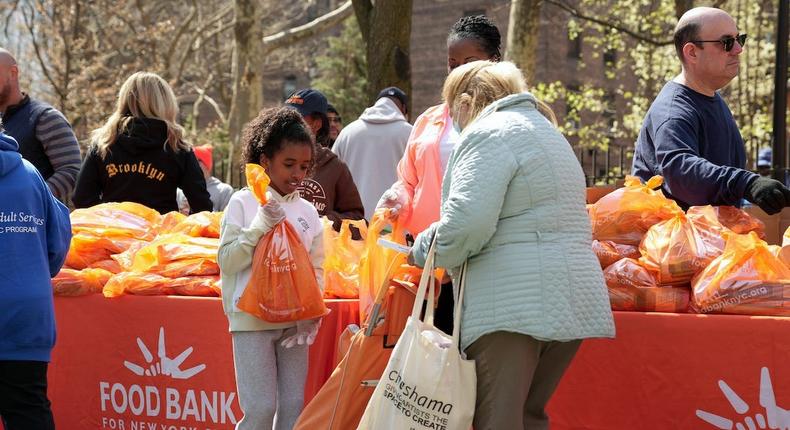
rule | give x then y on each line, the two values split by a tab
140	167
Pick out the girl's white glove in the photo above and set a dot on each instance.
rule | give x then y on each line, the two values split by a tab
306	331
268	216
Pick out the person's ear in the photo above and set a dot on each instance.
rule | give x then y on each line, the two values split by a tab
690	52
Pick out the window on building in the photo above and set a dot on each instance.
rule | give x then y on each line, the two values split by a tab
575	46
289	86
610	109
609	58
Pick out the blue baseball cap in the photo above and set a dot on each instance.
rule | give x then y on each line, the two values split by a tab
307	102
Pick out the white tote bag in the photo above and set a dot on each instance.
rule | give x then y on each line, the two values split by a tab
427	383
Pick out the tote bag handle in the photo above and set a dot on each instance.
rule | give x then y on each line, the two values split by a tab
427	282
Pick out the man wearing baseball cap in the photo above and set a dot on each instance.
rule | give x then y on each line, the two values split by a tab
330	187
372	145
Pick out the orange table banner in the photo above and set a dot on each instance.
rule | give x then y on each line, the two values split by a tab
158	362
679	371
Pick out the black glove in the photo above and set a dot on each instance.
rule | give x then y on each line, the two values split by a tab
769	194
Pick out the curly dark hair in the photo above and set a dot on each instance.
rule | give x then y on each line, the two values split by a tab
482	30
267	132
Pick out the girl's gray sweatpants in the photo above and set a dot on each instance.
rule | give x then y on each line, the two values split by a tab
269	378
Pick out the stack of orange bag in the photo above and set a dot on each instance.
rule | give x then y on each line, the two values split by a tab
748	278
342	255
110	235
173	263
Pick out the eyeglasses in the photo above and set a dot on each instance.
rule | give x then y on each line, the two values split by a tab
727	41
336	119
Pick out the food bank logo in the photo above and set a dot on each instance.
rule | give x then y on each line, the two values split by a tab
774	418
138	406
165	365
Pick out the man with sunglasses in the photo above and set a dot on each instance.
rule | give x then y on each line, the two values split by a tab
689	135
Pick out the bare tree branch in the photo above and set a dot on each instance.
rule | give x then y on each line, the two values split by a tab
196	35
293	35
573	11
179	33
8	16
30	24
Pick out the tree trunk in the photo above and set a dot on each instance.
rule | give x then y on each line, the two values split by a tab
522	35
681	6
386	28
247	69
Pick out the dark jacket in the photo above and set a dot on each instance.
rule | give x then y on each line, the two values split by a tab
140	167
34	238
331	189
692	140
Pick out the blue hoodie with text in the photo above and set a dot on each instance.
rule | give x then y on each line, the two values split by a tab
35	233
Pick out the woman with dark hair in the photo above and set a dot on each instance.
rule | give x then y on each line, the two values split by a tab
414	199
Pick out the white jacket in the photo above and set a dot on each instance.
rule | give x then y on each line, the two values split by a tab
372	146
237	245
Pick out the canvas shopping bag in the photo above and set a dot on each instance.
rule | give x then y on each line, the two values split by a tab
427	383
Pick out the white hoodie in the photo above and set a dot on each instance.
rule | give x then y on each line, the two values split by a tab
372	146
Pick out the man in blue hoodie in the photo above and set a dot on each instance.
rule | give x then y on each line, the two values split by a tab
35	233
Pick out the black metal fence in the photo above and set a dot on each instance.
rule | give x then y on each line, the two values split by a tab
605	166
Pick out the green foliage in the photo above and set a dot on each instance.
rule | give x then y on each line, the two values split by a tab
342	72
646	63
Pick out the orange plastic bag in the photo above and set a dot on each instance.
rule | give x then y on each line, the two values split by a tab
732	218
169	221
189	267
679	248
746	279
150	284
257	180
378	263
125	219
70	282
342	255
282	285
625	215
110	265
202	224
609	252
86	248
168	248
633	288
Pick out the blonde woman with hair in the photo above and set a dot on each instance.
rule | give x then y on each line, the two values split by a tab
513	208
140	155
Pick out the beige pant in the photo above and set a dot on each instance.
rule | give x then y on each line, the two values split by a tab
516	376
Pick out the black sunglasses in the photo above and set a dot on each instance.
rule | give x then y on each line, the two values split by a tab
727	41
